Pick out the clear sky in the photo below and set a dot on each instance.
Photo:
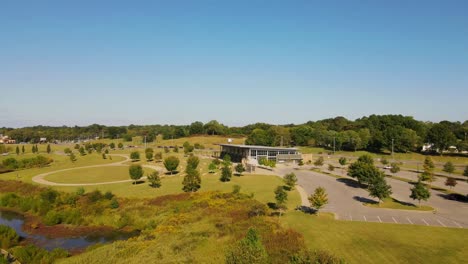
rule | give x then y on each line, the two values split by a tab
239	62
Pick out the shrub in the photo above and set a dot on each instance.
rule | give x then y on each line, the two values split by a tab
80	191
52	218
8	237
109	195
49	195
114	204
95	196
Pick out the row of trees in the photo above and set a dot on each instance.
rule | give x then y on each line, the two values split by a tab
373	133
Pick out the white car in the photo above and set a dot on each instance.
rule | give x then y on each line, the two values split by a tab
387	167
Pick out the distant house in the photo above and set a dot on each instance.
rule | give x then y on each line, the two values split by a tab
42	140
427	147
6	140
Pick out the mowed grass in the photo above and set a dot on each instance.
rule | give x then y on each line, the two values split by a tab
392	203
364	242
93	175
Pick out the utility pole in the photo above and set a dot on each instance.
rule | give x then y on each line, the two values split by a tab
145	142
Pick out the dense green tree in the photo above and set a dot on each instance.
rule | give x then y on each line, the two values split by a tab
135	155
214	128
366	159
301	135
420	192
171	163
120	145
136	172
319	199
226	173
149	154
249	250
192	180
259	137
364	171
112	145
196	128
188	148
379	188
451	182
22	149
17	150
290	180
48	149
395	168
448	167
158	156
441	136
154	179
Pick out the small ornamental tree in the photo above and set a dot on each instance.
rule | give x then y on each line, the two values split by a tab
342	161
428	173
451	182
394	168
33	149
384	161
249	250
239	169
166	150
72	157
136	172
104	156
226	173
192	163
154	179
67	151
448	167
290	180
77	146
22	149
192	180
135	155
227	160
281	196
112	145
319	162
171	163
158	156
82	151
319	199
17	150
176	149
420	192
212	167
120	145
188	148
331	167
149	153
48	149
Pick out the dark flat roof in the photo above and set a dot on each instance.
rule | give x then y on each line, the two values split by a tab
256	147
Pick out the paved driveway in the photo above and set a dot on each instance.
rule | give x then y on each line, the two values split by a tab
345	200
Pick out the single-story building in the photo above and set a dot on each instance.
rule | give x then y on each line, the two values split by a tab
249	152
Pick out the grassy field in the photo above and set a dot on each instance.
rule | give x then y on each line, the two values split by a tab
93	175
364	242
392	203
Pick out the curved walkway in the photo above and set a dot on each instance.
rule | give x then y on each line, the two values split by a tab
41	177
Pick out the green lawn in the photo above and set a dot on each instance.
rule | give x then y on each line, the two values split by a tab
364	242
92	175
392	203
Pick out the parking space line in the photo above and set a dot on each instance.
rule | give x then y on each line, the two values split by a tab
351	217
424	221
380	220
394	220
457	224
365	219
441	223
409	220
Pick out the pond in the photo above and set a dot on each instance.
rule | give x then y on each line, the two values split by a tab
16	221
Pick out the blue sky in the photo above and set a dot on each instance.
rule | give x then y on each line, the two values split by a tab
239	62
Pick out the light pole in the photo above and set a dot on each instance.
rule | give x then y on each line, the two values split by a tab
334	145
392	150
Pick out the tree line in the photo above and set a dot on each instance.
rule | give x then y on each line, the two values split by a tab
374	133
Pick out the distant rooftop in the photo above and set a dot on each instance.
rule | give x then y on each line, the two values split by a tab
256	147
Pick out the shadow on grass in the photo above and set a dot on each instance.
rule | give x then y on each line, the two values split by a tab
138	182
454	197
306	209
171	173
349	182
364	200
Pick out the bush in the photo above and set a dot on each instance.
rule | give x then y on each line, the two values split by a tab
8	237
80	191
95	196
114	204
52	218
49	195
33	254
108	195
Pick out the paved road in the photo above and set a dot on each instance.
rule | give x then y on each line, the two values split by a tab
41	177
345	200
